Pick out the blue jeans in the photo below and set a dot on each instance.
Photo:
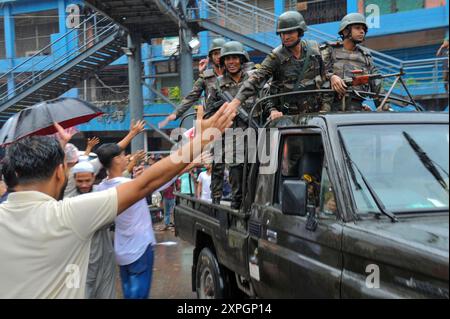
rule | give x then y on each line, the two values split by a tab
137	276
169	205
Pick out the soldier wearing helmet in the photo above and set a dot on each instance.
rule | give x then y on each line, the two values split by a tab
294	65
342	58
233	58
206	80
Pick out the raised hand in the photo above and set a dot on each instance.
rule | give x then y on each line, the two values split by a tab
202	65
171	117
138	156
64	136
92	141
220	121
137	127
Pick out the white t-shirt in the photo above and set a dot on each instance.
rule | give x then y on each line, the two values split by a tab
205	179
45	243
134	230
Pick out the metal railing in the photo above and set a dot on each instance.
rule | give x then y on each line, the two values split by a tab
422	75
104	94
238	16
95	28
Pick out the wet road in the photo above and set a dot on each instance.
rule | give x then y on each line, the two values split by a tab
171	268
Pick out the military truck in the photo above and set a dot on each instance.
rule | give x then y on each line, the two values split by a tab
349	205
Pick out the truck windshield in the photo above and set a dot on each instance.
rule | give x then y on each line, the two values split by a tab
406	165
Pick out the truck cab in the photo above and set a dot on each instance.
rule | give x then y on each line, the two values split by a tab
345	205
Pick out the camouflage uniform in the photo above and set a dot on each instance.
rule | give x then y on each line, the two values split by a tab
289	74
206	80
203	84
236	165
341	62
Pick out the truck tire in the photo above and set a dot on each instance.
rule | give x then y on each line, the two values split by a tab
210	281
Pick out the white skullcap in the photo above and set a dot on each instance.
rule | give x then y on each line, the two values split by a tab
83	158
83	167
71	153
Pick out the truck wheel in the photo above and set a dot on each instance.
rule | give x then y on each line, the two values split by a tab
209	278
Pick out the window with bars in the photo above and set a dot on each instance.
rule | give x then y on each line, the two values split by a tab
322	11
33	31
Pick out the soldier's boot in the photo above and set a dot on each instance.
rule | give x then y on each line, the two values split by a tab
236	175
218	172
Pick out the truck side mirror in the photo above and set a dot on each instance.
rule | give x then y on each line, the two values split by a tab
294	197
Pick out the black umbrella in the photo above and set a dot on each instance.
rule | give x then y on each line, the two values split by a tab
38	119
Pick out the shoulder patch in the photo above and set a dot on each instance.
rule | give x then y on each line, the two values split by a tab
280	53
364	50
208	73
313	47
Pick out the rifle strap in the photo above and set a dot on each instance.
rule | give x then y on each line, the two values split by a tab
310	51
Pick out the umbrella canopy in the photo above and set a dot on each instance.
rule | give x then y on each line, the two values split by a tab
38	119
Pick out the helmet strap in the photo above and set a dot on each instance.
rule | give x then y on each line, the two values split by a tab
293	45
300	34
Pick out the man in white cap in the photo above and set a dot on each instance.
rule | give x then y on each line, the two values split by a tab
84	176
72	155
100	281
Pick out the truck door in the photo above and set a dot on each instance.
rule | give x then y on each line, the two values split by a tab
287	260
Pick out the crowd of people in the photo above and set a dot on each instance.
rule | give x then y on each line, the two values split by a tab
68	220
55	223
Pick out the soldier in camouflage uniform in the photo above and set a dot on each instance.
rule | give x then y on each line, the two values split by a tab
294	65
206	80
234	58
343	57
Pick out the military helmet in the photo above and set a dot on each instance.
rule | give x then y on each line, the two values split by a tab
233	48
216	44
291	20
350	19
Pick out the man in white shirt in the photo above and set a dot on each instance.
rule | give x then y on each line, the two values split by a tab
133	236
204	184
44	249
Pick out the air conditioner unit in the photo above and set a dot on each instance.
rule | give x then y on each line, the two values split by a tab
31	53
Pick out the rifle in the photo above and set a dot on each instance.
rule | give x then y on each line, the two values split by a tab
242	113
358	79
